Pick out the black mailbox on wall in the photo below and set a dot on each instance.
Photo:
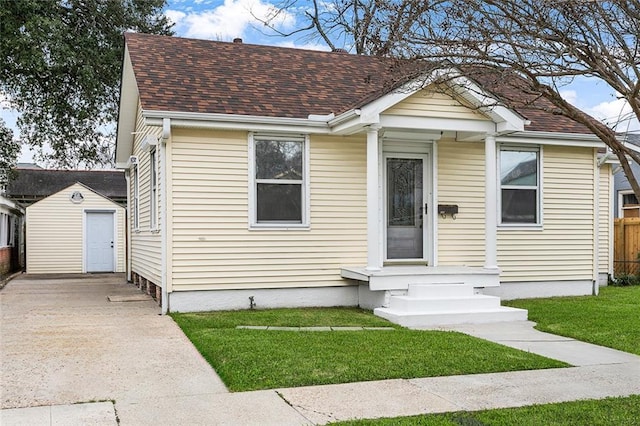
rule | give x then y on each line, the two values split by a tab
445	210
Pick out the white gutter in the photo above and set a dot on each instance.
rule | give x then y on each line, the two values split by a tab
345	116
559	135
228	121
166	133
549	138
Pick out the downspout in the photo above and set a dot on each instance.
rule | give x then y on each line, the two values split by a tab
596	221
166	133
610	245
608	155
127	177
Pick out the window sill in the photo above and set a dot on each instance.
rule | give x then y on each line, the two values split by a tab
520	227
279	227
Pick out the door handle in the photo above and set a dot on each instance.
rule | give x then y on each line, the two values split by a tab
111	244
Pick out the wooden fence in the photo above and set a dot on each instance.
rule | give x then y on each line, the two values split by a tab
626	246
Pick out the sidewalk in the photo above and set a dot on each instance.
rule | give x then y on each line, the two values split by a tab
600	373
64	343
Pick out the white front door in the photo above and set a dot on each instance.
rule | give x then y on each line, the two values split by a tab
99	241
405	207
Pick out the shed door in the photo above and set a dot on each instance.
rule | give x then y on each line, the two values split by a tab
99	242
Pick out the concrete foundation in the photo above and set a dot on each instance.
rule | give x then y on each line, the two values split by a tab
530	290
194	301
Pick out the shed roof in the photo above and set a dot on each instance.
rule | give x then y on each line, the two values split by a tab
30	185
201	76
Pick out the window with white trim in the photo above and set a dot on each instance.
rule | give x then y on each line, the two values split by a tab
519	185
279	181
136	198
4	230
8	224
628	205
153	192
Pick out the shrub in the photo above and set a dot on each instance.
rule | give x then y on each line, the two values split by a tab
625	280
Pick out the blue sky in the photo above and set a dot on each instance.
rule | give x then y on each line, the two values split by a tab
225	20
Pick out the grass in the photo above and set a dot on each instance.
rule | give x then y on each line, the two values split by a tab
259	359
610	319
610	411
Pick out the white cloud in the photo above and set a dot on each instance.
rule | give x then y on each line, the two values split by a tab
175	16
229	20
309	46
570	96
616	113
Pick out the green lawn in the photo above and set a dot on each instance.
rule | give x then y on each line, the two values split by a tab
261	359
611	319
610	411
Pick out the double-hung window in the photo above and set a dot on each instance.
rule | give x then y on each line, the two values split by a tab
519	186
279	181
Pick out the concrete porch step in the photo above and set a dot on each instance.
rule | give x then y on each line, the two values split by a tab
476	302
433	291
426	320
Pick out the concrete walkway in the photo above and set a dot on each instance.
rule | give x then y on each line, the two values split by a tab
70	356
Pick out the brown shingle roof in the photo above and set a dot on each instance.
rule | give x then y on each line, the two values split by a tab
513	91
178	74
201	76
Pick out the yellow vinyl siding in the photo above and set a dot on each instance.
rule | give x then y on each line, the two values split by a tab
55	231
145	242
606	212
431	102
461	182
213	247
563	248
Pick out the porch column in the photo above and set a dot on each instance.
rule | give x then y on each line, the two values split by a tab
490	203
374	260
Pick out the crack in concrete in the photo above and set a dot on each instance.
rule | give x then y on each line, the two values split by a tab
297	408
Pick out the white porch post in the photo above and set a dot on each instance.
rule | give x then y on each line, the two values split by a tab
490	203
374	260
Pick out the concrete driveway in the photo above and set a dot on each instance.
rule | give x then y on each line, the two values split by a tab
63	342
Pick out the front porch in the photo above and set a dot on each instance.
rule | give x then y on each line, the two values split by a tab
418	296
399	277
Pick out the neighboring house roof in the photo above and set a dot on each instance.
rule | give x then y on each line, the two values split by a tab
201	76
28	166
523	173
30	185
632	138
80	196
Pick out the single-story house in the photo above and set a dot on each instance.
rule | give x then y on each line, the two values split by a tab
625	203
286	177
11	236
72	223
